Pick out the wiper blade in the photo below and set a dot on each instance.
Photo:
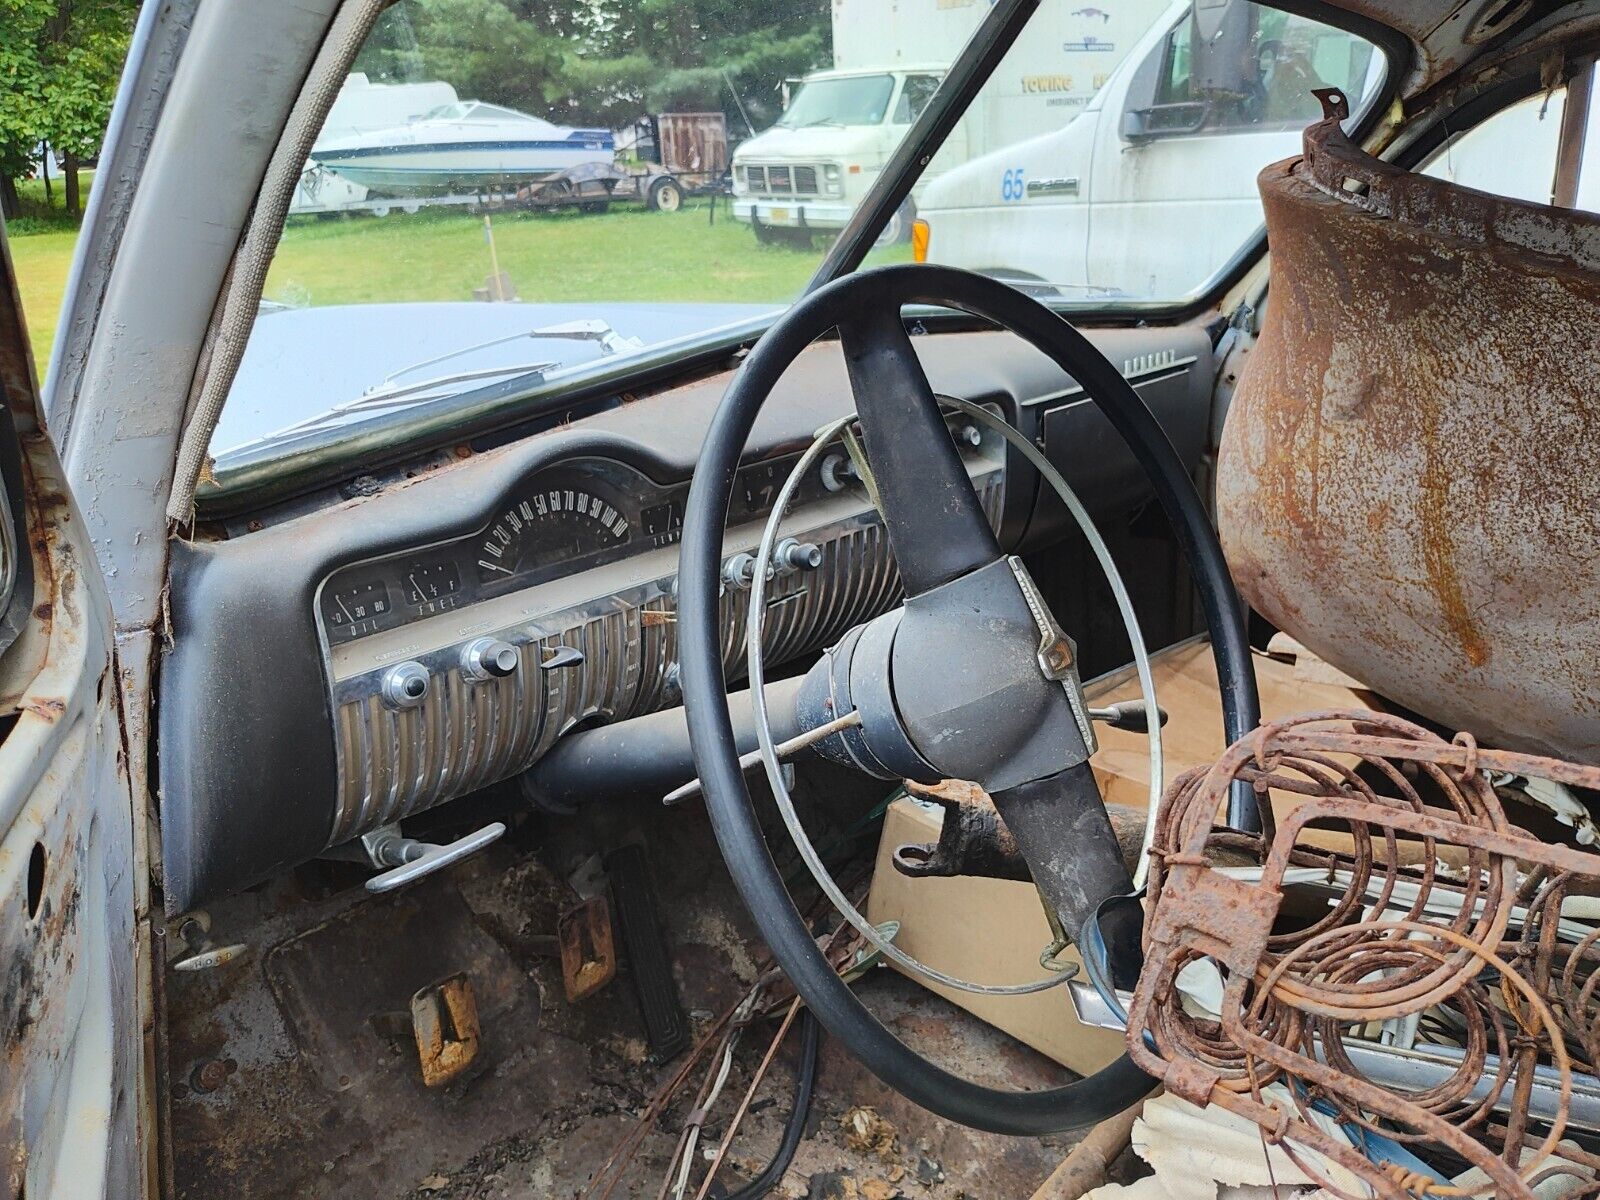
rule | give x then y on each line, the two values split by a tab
589	330
391	393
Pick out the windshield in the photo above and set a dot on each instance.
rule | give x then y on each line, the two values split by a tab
662	201
854	100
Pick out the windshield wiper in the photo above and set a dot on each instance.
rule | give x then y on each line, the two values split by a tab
389	392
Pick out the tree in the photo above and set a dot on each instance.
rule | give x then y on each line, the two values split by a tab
59	64
604	62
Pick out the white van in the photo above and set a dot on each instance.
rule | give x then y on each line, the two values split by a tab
810	170
1212	92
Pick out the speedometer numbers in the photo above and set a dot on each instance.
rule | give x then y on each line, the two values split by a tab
552	526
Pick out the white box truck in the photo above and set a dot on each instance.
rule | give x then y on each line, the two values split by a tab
808	172
1210	94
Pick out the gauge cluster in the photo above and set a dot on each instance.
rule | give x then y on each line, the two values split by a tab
574	516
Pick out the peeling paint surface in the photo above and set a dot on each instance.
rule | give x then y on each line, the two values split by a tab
1407	477
76	1116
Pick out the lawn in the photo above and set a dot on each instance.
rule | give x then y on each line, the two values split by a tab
443	254
41	241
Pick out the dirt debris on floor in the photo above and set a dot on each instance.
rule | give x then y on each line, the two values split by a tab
561	1084
867	1133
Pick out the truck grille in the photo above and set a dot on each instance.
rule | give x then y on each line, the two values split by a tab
773	180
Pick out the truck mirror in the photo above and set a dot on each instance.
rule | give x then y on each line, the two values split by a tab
1141	93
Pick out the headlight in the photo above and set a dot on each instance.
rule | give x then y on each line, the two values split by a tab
831	170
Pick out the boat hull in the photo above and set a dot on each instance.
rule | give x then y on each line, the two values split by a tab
447	167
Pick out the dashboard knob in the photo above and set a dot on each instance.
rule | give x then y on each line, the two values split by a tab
562	656
739	572
838	472
795	555
405	685
489	658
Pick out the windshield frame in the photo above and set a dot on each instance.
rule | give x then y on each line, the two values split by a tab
254	478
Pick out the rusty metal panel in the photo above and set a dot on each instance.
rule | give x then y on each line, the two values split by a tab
77	1106
693	143
1407	481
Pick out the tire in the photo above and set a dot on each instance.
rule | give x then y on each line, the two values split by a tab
380	210
665	196
898	228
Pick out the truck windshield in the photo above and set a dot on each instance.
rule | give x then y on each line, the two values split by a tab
647	181
852	100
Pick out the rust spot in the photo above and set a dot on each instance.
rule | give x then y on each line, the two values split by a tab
43	610
1405	481
50	708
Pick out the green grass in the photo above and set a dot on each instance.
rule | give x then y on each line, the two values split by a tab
625	254
441	254
42	238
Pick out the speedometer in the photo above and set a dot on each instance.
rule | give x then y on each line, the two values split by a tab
562	521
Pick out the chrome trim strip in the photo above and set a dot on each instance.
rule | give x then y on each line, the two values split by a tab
466	735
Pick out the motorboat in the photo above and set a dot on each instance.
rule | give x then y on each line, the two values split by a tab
461	146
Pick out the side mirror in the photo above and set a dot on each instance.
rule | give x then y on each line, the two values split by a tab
1164	120
1140	95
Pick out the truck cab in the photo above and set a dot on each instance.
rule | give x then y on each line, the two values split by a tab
1207	95
809	171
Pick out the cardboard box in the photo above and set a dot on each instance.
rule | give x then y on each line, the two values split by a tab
993	930
985	930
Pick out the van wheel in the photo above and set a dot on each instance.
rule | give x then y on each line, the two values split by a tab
898	228
665	196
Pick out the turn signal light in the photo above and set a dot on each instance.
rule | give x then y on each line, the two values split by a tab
919	240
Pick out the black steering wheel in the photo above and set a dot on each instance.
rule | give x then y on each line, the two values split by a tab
970	679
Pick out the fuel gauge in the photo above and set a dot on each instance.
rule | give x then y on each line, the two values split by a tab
431	587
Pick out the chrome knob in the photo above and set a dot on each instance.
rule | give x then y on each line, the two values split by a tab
795	555
489	658
837	472
739	572
405	685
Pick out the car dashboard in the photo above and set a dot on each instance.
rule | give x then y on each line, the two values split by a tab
457	665
367	661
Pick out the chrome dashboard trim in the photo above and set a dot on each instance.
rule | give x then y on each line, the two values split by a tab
394	763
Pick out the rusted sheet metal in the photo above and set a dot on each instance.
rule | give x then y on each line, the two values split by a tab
1480	947
693	143
1406	480
77	1112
